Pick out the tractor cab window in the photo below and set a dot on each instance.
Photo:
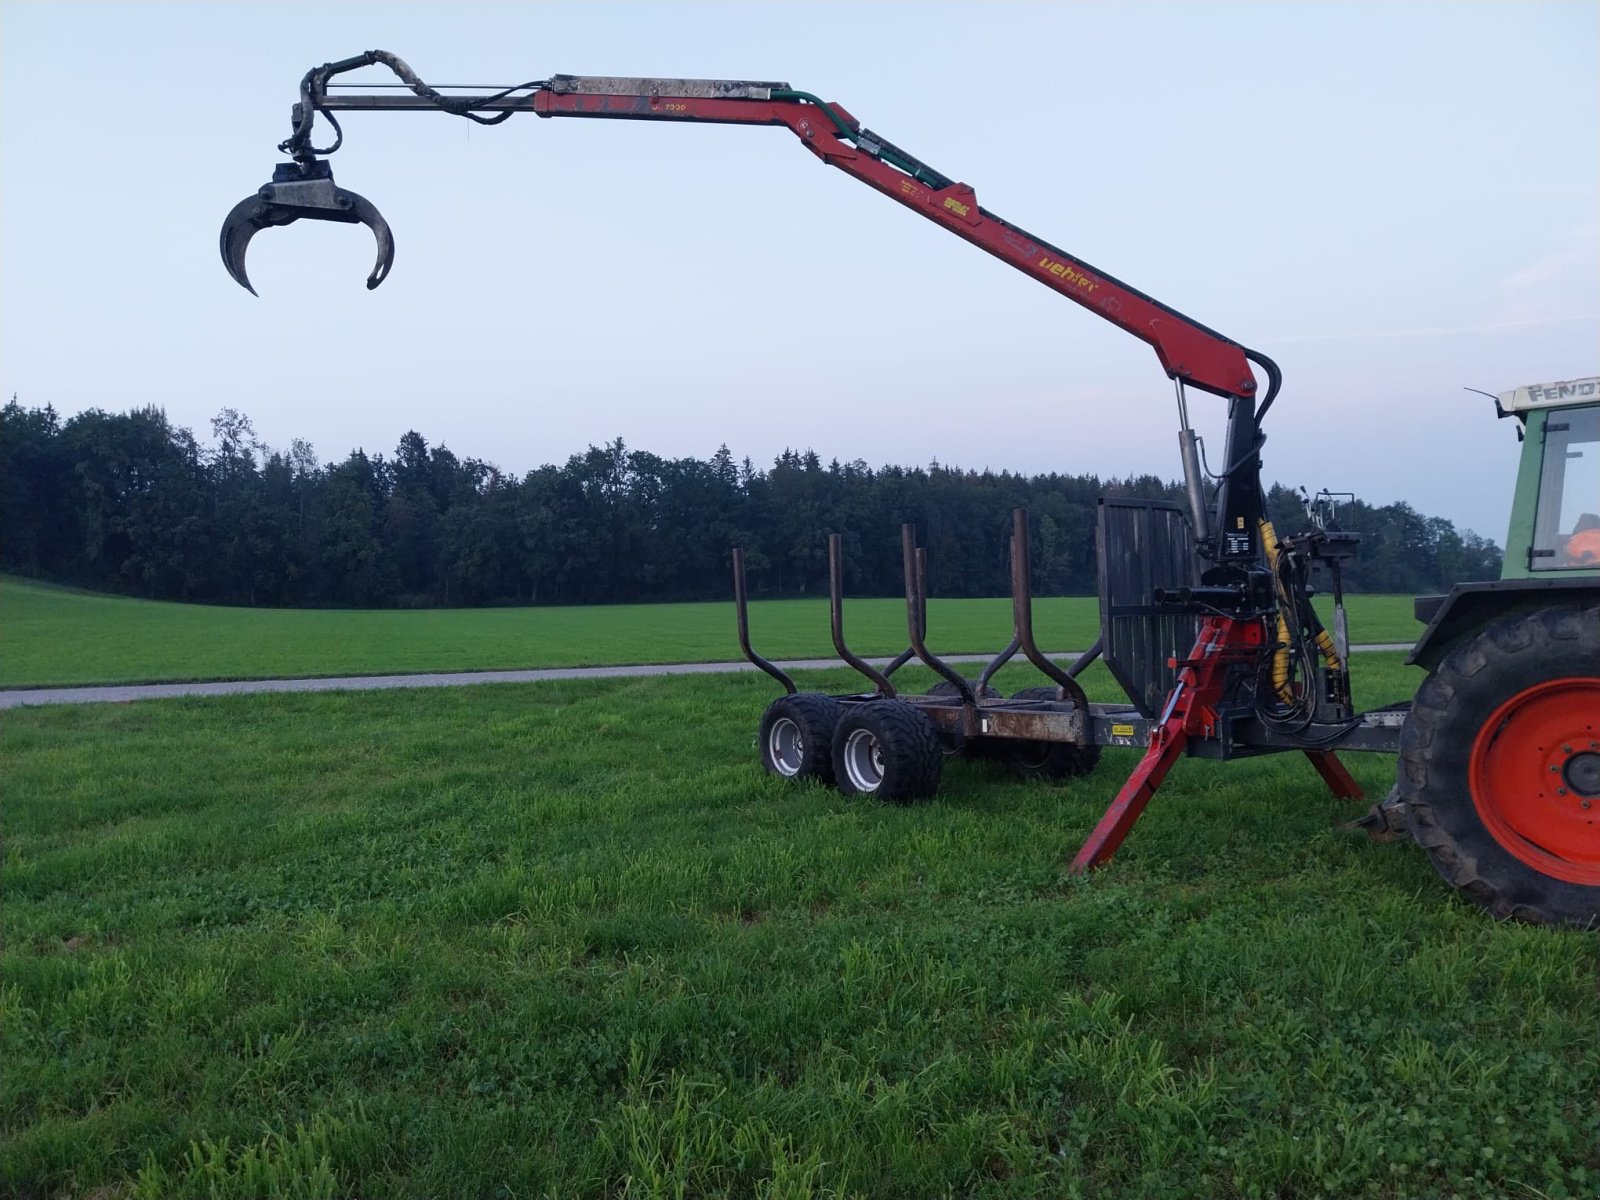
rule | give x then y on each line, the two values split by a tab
1566	521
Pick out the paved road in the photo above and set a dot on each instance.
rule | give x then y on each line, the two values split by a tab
21	697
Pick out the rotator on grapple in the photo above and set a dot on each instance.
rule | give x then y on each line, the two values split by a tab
1206	614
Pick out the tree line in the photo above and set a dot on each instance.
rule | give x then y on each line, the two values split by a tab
130	502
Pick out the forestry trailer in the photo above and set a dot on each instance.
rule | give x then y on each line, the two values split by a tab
1206	615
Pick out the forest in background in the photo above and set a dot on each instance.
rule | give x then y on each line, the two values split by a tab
129	502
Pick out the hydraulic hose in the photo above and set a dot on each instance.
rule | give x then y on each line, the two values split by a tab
1280	656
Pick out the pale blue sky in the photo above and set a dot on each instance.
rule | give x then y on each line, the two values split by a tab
1395	201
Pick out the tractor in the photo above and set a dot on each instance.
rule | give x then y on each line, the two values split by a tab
1499	774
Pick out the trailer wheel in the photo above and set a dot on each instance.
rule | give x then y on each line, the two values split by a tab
797	736
887	749
945	688
1046	760
1500	767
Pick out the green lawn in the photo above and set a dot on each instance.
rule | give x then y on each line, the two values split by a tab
567	940
57	636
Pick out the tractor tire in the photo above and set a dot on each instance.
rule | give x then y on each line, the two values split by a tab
889	750
1500	767
796	736
1045	760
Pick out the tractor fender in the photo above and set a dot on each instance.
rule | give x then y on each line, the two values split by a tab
1468	607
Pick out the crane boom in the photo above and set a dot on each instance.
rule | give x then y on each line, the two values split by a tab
1189	352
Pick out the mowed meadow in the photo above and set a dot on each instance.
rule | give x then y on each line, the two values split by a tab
58	636
566	939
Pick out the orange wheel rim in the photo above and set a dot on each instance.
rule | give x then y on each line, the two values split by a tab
1535	778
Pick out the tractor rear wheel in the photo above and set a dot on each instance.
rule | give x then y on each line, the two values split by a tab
796	736
1500	766
887	749
1046	760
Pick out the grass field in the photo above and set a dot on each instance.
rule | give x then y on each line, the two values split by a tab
567	940
57	636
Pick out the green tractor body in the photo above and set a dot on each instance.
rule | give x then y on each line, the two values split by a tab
1553	544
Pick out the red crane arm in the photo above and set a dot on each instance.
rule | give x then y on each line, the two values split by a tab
1187	349
1189	352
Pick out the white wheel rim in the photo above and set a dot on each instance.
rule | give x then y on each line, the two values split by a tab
863	761
786	747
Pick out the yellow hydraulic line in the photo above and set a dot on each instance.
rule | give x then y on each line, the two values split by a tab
1280	656
1280	660
1330	654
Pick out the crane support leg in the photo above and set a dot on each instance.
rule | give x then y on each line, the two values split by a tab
1334	775
1165	747
1191	712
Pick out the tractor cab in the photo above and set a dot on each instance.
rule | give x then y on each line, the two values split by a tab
1553	543
1555	513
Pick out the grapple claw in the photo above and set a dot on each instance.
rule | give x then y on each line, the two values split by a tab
301	190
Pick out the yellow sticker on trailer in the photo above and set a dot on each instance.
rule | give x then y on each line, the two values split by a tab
1122	731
